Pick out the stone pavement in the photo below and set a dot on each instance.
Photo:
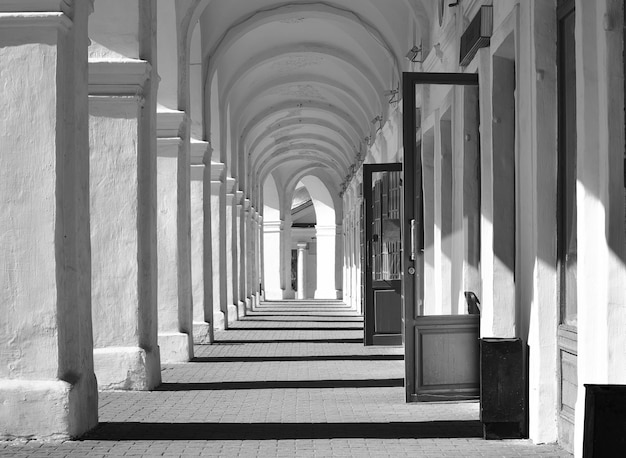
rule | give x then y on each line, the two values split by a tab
289	380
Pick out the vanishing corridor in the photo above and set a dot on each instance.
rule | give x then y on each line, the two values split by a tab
290	379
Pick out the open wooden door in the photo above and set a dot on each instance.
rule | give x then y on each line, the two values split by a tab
382	192
441	350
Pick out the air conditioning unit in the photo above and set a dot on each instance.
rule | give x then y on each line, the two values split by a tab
477	35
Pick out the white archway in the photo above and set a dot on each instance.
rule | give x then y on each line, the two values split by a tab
325	232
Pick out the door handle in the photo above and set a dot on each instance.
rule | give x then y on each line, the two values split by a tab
412	236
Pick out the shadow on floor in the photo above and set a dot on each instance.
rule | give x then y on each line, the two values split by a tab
239	327
271	341
268	359
281	384
277	431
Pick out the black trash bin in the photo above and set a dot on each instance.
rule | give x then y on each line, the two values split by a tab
605	420
502	388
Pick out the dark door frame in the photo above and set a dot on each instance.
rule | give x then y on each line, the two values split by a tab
368	170
413	240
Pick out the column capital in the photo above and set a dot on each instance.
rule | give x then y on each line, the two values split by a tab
118	78
217	171
273	226
169	122
197	172
239	197
168	147
200	152
41	6
231	184
247	206
302	245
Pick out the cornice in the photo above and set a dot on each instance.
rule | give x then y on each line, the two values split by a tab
169	122
217	171
41	6
196	172
168	146
37	20
115	106
118	77
231	183
200	152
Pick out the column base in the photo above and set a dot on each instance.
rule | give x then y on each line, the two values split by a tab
202	333
176	347
273	295
241	309
127	368
218	321
50	411
326	294
233	315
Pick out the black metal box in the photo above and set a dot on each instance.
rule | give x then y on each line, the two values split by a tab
502	388
605	420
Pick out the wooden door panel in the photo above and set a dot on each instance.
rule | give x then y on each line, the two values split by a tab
387	312
447	357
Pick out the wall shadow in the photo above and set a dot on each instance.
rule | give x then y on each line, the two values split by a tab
277	431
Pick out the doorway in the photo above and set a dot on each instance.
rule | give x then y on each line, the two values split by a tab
382	193
441	343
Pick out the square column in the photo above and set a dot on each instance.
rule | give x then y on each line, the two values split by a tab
256	253
239	258
123	225
173	239
271	262
250	255
229	248
218	249
285	241
201	266
302	246
326	263
47	385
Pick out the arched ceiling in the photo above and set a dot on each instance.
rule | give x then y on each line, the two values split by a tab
303	80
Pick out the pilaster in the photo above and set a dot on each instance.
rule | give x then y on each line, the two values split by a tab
218	245
201	266
272	232
123	220
326	236
47	385
229	249
240	256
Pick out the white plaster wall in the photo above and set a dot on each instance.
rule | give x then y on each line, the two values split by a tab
114	210
114	30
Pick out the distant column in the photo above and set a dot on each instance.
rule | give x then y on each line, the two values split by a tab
271	260
325	263
218	262
201	280
301	269
230	248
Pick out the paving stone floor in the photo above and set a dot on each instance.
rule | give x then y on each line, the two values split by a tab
289	380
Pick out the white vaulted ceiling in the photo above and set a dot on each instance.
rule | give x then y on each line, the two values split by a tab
300	82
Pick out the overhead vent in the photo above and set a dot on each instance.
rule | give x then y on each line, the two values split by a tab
477	35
